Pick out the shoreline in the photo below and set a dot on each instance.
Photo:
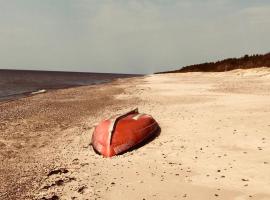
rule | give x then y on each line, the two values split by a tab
21	83
213	141
17	96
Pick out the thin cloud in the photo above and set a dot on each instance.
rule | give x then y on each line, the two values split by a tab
140	36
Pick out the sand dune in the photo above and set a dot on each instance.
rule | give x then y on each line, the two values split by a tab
214	140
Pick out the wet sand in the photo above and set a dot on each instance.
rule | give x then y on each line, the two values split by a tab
214	140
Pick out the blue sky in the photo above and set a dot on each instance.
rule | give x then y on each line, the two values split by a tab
129	36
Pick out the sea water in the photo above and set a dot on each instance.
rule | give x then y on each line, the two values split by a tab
17	83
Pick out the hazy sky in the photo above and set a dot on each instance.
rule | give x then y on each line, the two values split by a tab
129	36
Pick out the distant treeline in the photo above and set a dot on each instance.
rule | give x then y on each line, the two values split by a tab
244	62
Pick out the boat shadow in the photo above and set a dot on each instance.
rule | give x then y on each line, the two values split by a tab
145	141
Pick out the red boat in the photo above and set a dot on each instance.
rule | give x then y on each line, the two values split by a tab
121	133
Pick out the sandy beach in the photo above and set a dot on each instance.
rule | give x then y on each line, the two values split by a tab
213	144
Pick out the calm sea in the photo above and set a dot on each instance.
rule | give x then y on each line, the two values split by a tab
18	83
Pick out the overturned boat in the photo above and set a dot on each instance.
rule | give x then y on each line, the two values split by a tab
123	132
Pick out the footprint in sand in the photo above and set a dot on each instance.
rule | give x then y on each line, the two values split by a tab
54	197
82	189
58	171
56	178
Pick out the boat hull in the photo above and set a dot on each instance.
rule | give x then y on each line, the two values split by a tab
117	135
